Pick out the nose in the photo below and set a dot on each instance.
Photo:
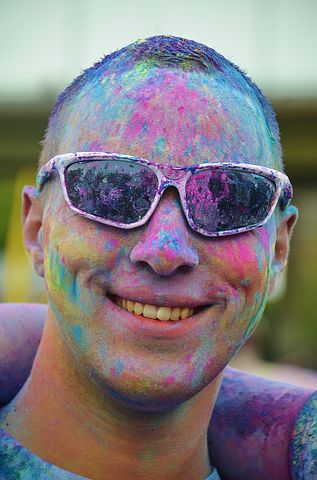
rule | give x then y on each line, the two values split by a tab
164	245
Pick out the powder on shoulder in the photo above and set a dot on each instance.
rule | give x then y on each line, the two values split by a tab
18	463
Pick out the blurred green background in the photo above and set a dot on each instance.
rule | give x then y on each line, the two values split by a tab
44	45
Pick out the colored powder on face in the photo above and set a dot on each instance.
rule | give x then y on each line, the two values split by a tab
60	276
137	124
169	380
57	268
259	254
161	145
188	151
166	238
128	120
73	330
109	245
121	253
266	234
246	253
257	297
234	298
138	59
257	317
118	367
74	290
77	332
140	97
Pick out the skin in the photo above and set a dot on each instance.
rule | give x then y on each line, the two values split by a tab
278	418
117	401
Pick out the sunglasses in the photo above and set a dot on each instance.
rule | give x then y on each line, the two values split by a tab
123	191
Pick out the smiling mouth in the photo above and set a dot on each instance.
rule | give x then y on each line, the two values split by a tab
156	312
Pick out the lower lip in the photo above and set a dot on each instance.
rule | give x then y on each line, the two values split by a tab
157	328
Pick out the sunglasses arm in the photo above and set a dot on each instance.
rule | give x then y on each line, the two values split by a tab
45	173
286	196
54	164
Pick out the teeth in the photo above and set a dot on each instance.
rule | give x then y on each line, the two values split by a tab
130	306
151	311
138	308
164	313
175	313
184	313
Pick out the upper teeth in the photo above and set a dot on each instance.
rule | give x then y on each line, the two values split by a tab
151	311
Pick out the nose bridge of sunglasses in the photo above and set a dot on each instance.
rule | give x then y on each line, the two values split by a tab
172	172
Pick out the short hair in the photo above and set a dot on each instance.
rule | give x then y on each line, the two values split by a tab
158	52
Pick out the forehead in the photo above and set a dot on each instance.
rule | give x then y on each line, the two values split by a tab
168	116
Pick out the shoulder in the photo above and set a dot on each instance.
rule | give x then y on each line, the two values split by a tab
21	328
16	462
304	442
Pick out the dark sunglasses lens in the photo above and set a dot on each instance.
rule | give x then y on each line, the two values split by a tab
223	200
116	190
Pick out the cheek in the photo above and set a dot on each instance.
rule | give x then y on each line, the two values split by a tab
240	265
75	249
243	261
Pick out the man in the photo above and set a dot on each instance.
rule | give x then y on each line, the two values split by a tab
155	275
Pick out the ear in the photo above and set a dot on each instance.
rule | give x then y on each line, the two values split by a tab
32	213
286	220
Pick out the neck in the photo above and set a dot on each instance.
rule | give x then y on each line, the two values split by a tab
94	436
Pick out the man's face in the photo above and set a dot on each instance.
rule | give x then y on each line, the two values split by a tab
175	117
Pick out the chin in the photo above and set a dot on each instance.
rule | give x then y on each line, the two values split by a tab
152	391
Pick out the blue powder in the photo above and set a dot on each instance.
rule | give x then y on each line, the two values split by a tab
77	333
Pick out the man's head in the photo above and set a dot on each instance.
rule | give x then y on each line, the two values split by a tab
171	101
133	65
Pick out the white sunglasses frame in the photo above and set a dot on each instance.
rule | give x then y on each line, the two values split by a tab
168	175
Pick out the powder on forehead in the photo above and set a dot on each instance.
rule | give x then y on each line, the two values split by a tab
171	113
151	54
